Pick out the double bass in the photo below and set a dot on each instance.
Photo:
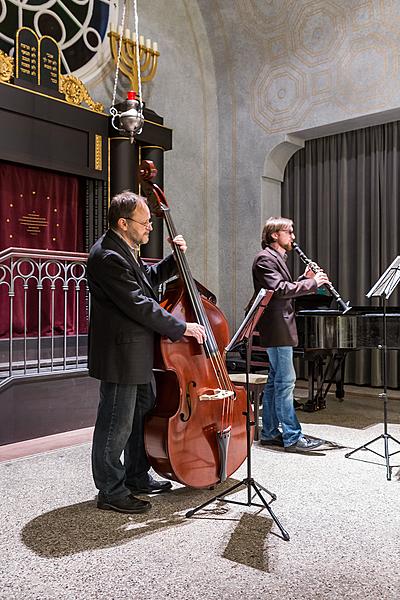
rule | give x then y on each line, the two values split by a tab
196	434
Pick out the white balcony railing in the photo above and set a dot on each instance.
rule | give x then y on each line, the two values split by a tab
44	312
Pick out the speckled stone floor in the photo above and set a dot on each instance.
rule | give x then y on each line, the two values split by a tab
342	516
360	408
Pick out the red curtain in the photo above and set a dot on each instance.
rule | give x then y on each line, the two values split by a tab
41	210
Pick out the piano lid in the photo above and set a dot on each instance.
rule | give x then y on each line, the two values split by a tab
362	327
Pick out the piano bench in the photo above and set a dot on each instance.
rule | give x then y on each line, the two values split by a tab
256	387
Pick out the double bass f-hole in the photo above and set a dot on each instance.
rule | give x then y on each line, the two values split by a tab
190	384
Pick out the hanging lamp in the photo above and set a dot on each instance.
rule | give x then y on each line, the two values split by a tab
131	120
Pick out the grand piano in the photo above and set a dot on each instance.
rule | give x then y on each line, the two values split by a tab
326	336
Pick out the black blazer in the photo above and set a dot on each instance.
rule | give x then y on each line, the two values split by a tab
125	316
277	325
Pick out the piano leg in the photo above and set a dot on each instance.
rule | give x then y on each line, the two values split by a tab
340	376
309	405
319	398
315	371
321	374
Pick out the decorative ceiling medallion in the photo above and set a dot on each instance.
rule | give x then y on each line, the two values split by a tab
279	97
318	31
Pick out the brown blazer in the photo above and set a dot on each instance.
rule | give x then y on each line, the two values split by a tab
277	325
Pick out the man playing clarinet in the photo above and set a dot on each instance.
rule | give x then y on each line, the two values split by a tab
278	333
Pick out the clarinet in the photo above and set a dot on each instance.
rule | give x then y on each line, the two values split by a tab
345	306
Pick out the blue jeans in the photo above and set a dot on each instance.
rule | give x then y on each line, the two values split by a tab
278	409
120	429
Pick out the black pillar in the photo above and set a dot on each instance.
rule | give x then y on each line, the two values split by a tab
154	249
124	163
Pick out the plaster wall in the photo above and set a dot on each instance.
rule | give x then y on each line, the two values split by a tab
184	93
288	70
243	84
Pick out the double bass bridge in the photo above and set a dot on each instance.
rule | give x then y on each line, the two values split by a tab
216	394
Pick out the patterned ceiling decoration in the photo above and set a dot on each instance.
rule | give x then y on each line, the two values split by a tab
263	16
317	32
359	73
78	26
280	96
322	55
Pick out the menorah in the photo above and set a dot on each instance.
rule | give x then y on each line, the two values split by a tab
148	56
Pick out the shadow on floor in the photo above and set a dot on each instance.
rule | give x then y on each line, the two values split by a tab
355	411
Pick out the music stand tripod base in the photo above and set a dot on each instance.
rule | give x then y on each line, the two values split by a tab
382	289
386	437
242	338
249	484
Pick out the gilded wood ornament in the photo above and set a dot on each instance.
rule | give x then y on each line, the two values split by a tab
75	93
6	67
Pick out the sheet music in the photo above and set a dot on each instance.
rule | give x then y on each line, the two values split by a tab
249	322
387	282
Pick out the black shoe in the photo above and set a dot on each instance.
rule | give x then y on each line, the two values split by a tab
277	441
304	444
127	504
149	485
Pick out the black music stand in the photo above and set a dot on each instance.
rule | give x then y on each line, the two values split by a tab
383	289
241	339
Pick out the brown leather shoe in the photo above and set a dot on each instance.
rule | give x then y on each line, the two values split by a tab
127	504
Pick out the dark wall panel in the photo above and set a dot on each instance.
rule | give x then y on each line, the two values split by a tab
41	131
57	146
38	408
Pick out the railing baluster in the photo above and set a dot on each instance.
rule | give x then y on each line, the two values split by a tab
39	288
52	293
10	342
65	288
25	327
12	292
77	296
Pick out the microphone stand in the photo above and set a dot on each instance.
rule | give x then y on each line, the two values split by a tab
242	339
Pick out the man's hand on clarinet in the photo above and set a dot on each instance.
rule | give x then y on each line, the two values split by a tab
321	278
197	331
314	271
311	269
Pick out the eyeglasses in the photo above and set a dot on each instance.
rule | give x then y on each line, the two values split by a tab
147	224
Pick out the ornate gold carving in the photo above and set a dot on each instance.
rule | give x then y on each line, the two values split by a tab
6	67
98	154
75	93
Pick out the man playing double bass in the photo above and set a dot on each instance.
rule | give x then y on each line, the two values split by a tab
125	319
